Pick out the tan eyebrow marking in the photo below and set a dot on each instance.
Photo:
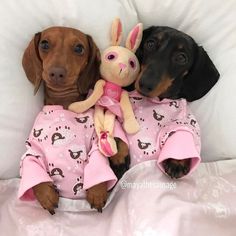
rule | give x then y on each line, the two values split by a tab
180	46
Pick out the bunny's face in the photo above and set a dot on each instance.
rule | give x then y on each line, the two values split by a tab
119	66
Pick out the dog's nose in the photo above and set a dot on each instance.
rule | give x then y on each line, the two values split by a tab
57	74
145	87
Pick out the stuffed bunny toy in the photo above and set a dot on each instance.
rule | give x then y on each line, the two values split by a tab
119	68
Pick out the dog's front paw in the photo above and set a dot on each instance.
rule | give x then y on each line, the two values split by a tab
177	168
97	196
47	195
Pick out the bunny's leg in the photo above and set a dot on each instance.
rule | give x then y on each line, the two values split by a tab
109	121
99	118
106	141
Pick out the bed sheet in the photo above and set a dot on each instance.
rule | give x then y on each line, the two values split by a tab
143	203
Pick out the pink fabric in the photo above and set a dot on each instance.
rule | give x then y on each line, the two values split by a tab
172	148
167	130
112	90
111	98
62	148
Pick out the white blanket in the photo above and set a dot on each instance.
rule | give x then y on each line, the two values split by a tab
202	204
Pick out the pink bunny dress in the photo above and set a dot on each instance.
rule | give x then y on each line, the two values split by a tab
111	98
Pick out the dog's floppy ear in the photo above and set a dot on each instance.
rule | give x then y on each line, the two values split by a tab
32	63
146	34
90	74
201	78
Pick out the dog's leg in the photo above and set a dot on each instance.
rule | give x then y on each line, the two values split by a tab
177	168
120	162
47	196
97	196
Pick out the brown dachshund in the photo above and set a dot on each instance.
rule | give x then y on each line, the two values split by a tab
173	66
67	62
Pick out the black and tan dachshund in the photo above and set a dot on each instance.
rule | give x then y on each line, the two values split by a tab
173	66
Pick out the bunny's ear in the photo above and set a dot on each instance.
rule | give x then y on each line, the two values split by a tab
116	32
134	39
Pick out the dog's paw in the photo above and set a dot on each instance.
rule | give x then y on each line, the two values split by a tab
177	168
97	196
47	195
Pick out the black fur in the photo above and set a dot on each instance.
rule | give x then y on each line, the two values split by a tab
191	80
168	55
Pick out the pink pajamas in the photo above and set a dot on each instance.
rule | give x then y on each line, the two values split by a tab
62	148
167	130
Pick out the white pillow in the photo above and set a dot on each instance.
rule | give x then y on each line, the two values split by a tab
20	20
213	25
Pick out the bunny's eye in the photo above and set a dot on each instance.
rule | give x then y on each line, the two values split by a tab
111	56
132	63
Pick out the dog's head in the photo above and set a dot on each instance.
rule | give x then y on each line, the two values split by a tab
65	59
173	66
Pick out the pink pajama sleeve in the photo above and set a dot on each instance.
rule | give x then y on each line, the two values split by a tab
33	169
98	170
179	146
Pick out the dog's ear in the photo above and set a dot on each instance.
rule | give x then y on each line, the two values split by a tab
146	34
90	74
32	63
201	77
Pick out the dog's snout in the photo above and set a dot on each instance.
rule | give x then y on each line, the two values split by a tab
145	87
57	74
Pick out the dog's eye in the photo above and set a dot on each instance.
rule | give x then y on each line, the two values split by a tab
111	56
150	44
44	44
79	49
181	58
132	63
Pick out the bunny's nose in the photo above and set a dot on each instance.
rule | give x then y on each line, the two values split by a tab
122	65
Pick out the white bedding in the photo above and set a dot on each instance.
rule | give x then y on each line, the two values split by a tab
202	204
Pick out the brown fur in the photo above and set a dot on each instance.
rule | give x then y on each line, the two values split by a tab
81	73
165	83
121	155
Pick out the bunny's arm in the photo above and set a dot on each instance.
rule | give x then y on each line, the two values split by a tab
131	125
82	106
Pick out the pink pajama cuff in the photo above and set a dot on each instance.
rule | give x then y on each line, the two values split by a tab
32	174
180	146
98	171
